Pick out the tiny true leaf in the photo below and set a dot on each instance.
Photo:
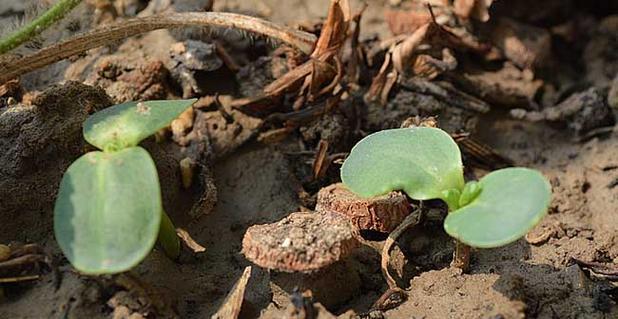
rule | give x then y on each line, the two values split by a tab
127	124
424	162
108	210
511	201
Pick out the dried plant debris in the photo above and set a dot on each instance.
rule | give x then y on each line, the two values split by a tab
381	213
303	41
606	269
230	309
582	112
301	242
320	75
23	262
426	53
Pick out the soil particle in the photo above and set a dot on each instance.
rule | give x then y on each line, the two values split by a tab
187	59
302	242
331	286
525	45
258	74
225	132
382	213
581	112
508	86
449	294
600	55
145	80
408	104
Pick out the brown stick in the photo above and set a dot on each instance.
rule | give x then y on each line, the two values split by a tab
108	34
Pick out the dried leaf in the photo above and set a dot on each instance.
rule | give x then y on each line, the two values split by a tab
335	28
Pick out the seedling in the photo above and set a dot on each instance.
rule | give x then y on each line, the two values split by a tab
426	164
108	212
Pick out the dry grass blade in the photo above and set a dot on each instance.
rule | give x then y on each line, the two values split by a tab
108	34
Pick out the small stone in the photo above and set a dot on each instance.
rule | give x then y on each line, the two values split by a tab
383	213
301	242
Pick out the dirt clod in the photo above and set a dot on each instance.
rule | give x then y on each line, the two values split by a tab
381	213
302	242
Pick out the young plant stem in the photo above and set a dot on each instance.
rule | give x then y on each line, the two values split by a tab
167	237
38	25
101	36
461	256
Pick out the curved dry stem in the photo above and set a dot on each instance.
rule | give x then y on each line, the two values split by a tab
105	35
410	220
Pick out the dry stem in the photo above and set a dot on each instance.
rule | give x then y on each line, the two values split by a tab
108	34
408	222
461	256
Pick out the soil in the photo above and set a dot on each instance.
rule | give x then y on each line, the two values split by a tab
546	101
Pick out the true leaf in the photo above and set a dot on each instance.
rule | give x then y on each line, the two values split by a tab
424	162
127	124
108	210
510	203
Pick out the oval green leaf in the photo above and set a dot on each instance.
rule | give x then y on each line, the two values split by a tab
108	210
511	202
127	124
423	162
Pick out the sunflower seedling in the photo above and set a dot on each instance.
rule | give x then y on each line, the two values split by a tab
108	213
426	164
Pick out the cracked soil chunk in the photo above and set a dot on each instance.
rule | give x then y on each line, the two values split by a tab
302	242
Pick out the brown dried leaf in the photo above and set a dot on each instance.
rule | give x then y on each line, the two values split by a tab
335	29
383	82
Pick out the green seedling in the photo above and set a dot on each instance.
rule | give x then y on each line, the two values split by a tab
426	164
108	213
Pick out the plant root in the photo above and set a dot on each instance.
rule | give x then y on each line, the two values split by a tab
11	67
